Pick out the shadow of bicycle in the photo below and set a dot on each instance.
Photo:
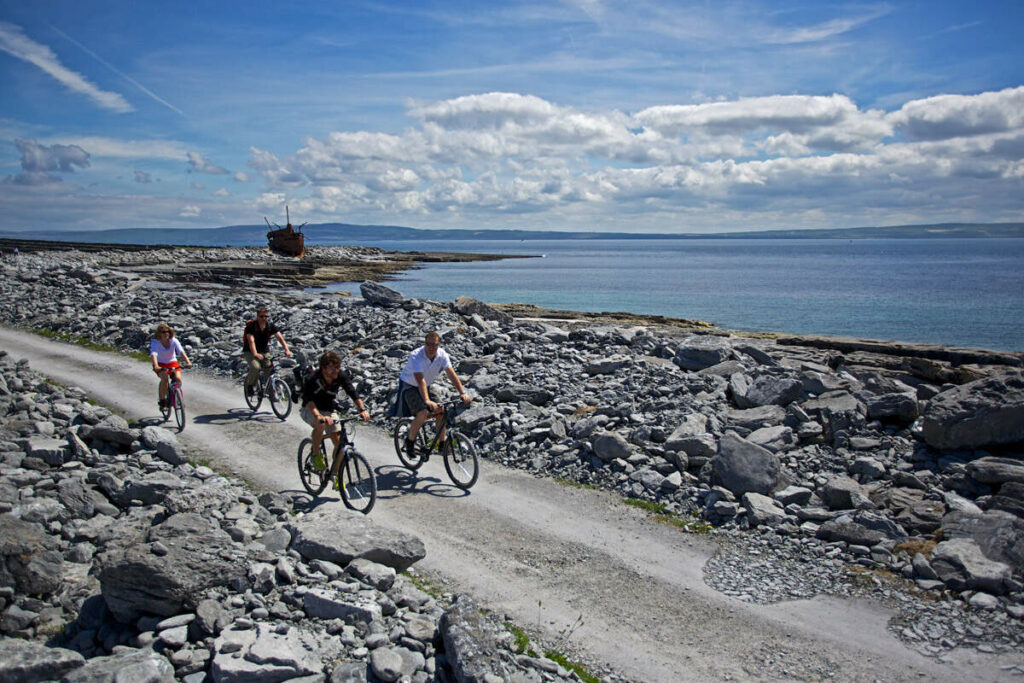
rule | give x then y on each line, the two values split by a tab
237	415
394	481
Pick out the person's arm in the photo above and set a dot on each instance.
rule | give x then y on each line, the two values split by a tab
457	383
346	384
280	340
180	350
156	366
250	341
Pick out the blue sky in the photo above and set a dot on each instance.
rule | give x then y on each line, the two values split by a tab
577	115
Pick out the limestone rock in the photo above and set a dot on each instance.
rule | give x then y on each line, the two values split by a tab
340	536
985	412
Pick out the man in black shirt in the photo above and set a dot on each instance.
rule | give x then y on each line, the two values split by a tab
319	394
255	340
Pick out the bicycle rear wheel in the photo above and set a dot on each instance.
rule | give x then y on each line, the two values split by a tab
280	397
401	433
177	399
356	482
314	479
460	460
254	399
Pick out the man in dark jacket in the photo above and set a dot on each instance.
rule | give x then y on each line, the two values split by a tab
319	396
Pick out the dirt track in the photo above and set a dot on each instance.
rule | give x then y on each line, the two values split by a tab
544	554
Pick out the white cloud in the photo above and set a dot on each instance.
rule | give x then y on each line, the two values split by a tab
241	177
222	193
125	149
950	116
201	164
14	42
506	154
190	211
39	162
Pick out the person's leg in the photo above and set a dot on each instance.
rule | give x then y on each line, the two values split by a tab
162	391
253	369
336	465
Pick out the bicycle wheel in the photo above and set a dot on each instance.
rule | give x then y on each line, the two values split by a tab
178	401
356	482
460	460
254	399
314	479
401	432
280	397
165	410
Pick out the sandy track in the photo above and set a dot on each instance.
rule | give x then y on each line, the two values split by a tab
544	554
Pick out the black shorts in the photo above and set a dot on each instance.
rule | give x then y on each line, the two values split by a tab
414	403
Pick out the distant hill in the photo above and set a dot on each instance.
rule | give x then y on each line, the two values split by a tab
347	233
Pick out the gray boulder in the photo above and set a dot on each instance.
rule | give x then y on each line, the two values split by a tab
762	509
961	564
470	643
699	352
996	470
144	666
30	558
340	536
609	446
843	493
464	305
755	418
194	556
114	429
531	394
379	295
26	660
165	444
742	467
894	406
766	390
999	534
261	655
982	413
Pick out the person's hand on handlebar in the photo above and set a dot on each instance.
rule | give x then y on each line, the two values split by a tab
465	398
432	407
157	369
364	415
326	420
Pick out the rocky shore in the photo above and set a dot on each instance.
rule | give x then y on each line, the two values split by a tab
870	469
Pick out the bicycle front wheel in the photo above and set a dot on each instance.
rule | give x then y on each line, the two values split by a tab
314	473
178	401
165	409
401	433
357	483
253	399
280	397
460	459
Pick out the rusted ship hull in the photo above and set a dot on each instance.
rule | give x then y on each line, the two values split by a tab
287	241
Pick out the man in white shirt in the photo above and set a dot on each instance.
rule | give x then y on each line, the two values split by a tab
424	365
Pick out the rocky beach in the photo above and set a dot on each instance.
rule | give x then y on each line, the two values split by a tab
888	471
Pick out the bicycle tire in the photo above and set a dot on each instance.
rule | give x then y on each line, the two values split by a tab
460	460
165	409
280	397
401	432
313	479
253	400
356	482
177	399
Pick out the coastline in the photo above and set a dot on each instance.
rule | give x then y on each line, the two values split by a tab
327	265
827	467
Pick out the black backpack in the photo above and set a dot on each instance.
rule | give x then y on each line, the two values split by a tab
300	373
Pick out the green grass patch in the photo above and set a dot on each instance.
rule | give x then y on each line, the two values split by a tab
424	584
521	640
574	484
85	342
576	668
692	524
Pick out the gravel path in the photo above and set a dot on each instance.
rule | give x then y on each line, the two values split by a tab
637	600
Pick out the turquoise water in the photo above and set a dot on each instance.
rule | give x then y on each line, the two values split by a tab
963	292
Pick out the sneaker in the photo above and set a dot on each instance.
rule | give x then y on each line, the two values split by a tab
319	461
250	390
410	449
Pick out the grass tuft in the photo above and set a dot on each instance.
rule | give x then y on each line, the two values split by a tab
659	513
574	667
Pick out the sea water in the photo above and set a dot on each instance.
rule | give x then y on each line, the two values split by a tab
962	292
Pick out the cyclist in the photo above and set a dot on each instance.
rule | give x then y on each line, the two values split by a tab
424	365
319	395
255	340
164	350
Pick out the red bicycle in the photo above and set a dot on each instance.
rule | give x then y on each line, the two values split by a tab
175	401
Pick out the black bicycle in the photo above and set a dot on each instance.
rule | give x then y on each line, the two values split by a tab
355	481
175	401
459	451
270	385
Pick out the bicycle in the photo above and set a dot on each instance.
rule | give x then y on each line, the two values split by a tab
460	453
272	386
175	401
356	481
